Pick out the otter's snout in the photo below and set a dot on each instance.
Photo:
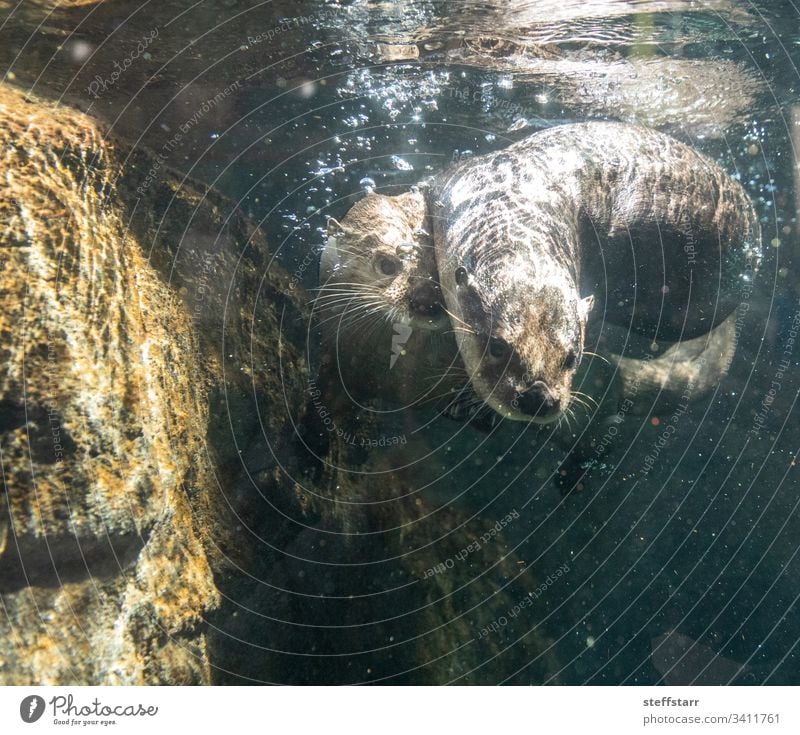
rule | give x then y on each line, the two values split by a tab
426	299
537	401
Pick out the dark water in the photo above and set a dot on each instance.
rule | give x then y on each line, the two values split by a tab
705	547
340	98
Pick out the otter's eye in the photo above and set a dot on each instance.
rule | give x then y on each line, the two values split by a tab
389	266
570	361
499	348
461	276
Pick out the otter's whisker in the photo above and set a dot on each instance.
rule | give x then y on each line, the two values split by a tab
353	315
436	397
450	372
335	297
459	329
365	312
585	397
330	284
583	405
449	313
362	327
564	418
329	293
598	356
343	301
320	305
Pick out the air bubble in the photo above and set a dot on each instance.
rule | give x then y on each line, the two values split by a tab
401	164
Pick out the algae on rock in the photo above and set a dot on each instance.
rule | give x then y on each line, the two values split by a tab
112	518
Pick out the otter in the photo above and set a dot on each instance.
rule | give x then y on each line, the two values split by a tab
379	306
610	217
381	256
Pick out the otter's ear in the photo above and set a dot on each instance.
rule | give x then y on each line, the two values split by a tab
585	306
335	228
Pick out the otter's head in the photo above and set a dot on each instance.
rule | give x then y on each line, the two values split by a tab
379	260
521	339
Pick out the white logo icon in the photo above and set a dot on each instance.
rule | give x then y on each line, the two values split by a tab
402	332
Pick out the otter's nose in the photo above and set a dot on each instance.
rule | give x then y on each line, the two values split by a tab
426	299
537	400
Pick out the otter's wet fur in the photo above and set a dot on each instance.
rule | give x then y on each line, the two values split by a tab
379	306
647	231
381	254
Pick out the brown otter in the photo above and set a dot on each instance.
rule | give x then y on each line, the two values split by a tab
381	255
379	305
649	230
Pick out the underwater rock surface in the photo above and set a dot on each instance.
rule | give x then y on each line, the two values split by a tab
104	575
112	518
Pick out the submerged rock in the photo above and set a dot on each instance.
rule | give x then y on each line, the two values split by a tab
113	518
104	575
